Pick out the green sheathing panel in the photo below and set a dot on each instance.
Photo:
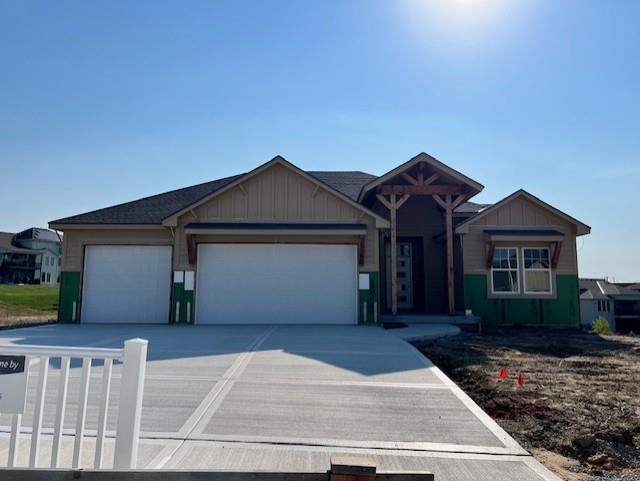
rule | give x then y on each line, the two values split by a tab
69	301
368	300
182	304
564	310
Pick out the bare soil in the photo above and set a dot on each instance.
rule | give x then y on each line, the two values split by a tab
578	411
11	317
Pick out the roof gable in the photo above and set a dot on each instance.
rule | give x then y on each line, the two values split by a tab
281	162
581	228
438	166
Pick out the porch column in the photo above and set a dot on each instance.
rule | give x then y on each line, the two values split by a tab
450	273
393	204
394	257
448	205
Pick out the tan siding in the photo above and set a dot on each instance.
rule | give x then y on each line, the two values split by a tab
518	213
278	194
75	240
181	259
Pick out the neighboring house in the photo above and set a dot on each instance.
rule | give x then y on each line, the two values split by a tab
595	302
283	245
33	256
619	303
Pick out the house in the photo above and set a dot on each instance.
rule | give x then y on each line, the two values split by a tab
595	302
33	256
619	303
282	245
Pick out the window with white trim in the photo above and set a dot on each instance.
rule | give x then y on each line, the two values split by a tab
504	271
537	270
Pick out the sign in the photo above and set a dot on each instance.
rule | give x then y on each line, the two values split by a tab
14	371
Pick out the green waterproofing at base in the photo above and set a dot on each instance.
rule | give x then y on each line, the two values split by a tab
182	305
69	300
368	302
562	311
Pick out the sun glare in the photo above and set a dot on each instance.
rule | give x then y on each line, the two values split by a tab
466	18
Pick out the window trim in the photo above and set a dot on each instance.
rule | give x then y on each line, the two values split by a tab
549	270
517	292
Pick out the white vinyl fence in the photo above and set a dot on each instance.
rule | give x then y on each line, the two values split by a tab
133	356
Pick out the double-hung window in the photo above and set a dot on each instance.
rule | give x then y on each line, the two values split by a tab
504	270
537	270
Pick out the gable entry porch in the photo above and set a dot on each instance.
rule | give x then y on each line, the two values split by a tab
420	258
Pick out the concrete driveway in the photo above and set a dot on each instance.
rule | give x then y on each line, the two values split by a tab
286	398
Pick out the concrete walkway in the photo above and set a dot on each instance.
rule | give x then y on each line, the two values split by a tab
286	398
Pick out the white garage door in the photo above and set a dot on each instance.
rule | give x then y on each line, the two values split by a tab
276	284
126	284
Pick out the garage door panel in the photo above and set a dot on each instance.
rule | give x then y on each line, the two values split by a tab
276	284
126	284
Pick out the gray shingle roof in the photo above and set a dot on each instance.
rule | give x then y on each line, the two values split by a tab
149	210
471	208
601	289
153	209
348	183
590	289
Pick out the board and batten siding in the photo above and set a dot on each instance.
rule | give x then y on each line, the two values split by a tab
279	195
519	213
561	309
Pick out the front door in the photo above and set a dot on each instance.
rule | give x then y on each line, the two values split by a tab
405	275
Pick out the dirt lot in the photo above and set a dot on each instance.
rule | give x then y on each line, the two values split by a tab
578	411
9	317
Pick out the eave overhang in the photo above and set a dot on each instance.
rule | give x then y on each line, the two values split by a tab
540	235
274	228
60	226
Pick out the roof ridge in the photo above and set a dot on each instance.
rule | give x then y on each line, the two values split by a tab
342	172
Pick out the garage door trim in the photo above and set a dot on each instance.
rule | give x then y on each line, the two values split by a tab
83	280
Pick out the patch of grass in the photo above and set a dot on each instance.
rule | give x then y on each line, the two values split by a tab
15	298
601	326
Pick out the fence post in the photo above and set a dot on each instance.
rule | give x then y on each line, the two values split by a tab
130	406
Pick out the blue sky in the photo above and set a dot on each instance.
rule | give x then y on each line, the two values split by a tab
105	102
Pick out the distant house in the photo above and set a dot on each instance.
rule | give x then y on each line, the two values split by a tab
617	302
33	256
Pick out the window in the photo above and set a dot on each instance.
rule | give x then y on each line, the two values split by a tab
504	270
59	261
537	270
48	276
608	307
44	276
